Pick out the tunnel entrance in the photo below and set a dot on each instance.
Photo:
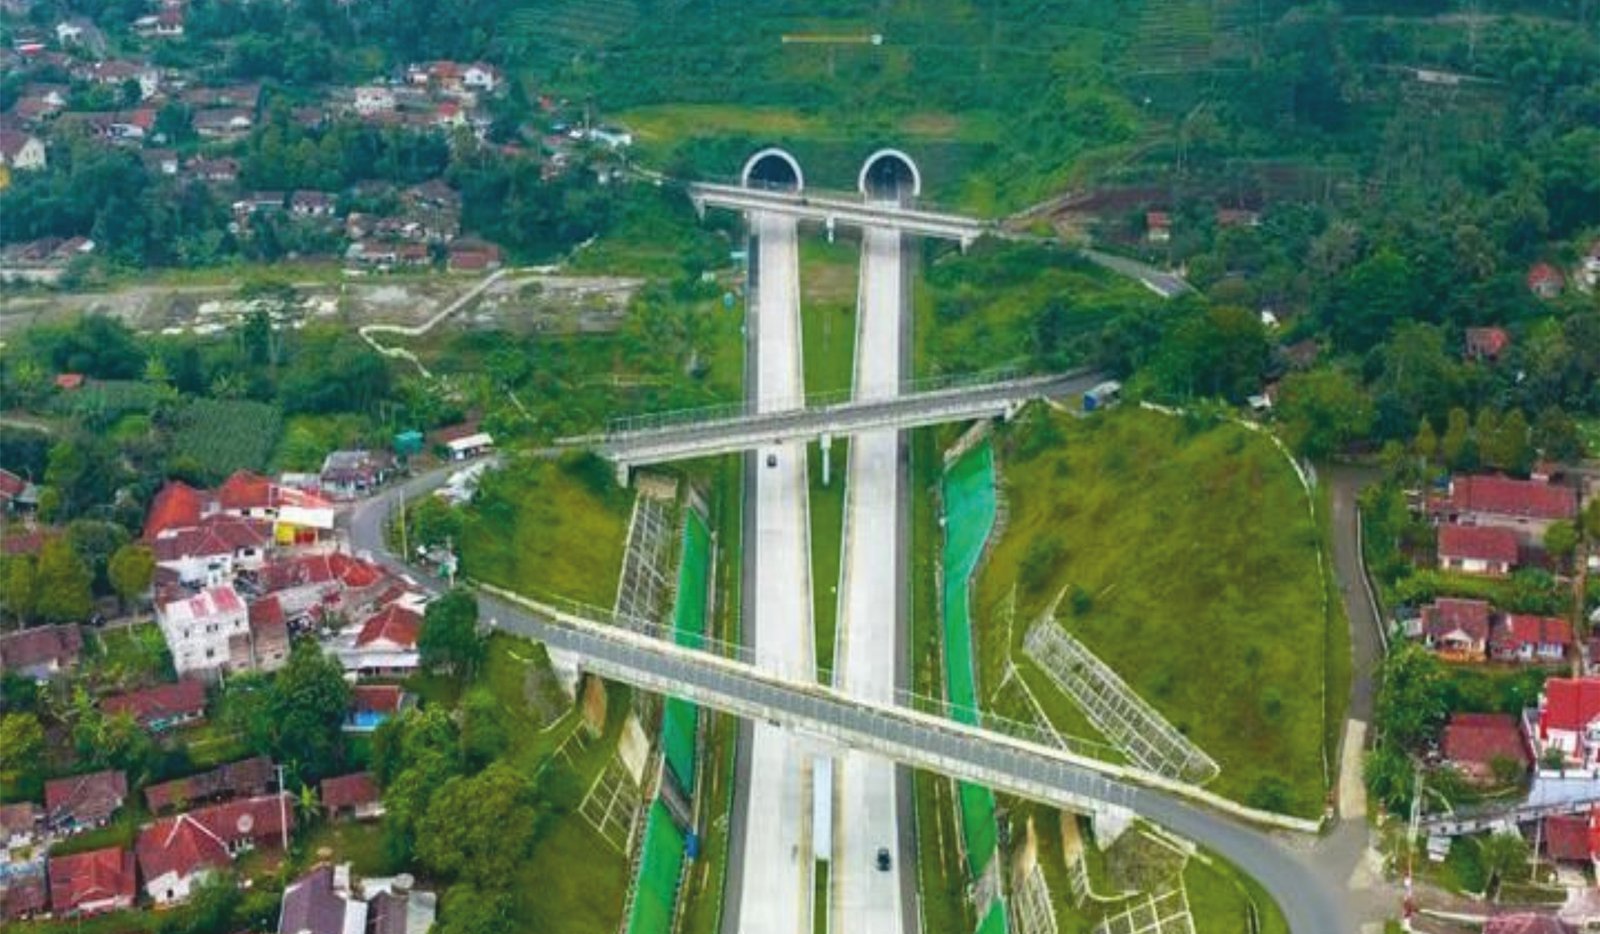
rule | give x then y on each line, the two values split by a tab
773	170
890	175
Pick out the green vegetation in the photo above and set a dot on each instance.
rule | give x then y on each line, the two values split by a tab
220	436
1221	898
1134	515
549	528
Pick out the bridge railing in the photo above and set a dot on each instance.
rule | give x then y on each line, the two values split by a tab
732	411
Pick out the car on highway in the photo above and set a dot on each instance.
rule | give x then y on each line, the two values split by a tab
772	460
883	859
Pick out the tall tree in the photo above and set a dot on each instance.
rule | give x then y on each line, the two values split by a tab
1323	410
19	587
131	570
1456	445
64	583
450	639
309	700
483	825
1411	700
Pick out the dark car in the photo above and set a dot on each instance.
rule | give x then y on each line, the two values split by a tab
883	859
772	460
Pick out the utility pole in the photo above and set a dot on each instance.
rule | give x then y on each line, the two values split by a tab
283	810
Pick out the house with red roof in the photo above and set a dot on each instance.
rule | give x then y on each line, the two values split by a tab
1475	742
1470	549
1545	280
1485	344
1569	721
269	635
245	778
92	882
1457	630
177	505
1157	227
17	494
211	552
373	704
41	652
353	795
23	896
1527	507
385	644
178	853
1526	638
334	579
83	802
162	707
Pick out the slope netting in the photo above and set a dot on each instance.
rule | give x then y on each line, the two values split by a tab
679	717
970	505
660	867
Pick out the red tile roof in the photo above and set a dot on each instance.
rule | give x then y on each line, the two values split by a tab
349	791
266	613
1566	837
176	506
1544	274
393	624
353	572
11	485
251	776
1487	342
69	380
1448	614
17	818
376	698
217	535
201	838
40	646
245	490
1519	630
1503	496
22	897
86	799
1569	704
91	877
1480	738
185	698
1478	542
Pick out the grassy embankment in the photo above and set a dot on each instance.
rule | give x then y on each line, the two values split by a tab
1193	567
828	285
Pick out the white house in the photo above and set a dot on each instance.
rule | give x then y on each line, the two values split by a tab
480	77
1569	721
208	555
198	629
373	98
470	446
21	151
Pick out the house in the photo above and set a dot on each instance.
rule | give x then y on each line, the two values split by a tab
1485	344
1475	742
177	853
1545	280
1527	507
83	802
473	256
386	644
1237	217
373	99
353	795
1527	922
305	203
177	505
160	161
448	115
222	122
1456	629
480	77
465	441
213	170
396	908
348	474
1569	838
258	202
17	494
200	628
22	152
115	72
19	825
1491	552
1589	268
269	635
373	704
89	883
246	778
41	652
209	554
22	896
162	707
1523	638
320	902
303	583
1157	227
1569	721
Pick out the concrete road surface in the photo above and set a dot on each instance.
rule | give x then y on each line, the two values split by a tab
775	896
866	898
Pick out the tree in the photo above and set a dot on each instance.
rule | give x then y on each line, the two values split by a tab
131	570
1390	777
1426	444
1411	703
95	542
1556	435
1507	447
309	699
1502	855
450	639
469	909
19	587
21	748
64	583
1561	540
485	825
1455	447
1323	410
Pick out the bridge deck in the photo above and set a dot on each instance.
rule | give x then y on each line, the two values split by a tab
832	210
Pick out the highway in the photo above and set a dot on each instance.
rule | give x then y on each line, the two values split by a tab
866	816
833	210
717	433
776	890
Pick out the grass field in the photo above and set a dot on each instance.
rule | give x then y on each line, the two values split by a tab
828	276
1193	564
550	528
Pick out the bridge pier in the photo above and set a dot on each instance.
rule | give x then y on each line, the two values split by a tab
829	223
624	473
827	457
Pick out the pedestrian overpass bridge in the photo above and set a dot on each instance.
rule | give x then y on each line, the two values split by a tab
834	210
730	430
1019	766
